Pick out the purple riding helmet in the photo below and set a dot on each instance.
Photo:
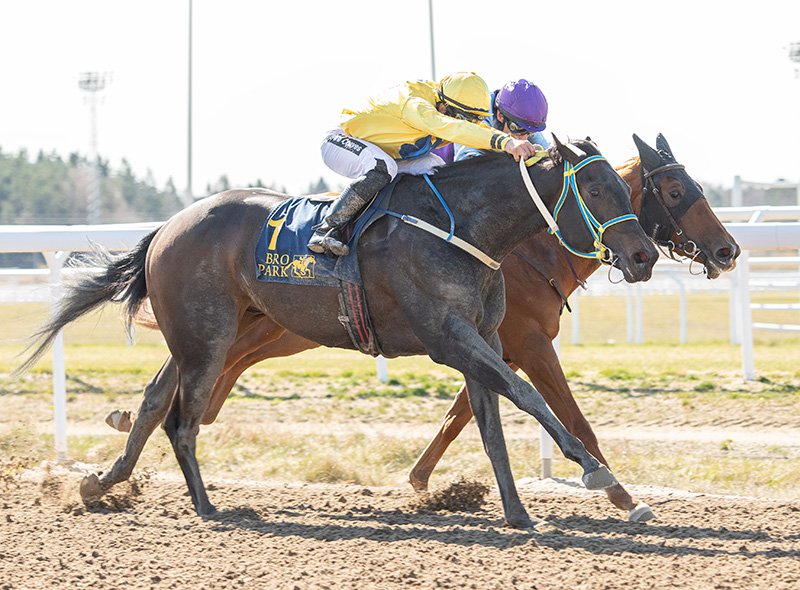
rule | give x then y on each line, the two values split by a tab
524	104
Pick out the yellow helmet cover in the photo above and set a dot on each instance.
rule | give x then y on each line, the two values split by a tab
467	92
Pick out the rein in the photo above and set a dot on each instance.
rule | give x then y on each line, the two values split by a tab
601	252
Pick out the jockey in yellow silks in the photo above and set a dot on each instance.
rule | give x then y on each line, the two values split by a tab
396	132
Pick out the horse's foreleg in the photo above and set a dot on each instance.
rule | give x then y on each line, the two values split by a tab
458	416
485	405
539	360
463	349
157	396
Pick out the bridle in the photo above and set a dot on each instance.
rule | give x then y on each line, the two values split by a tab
601	252
654	208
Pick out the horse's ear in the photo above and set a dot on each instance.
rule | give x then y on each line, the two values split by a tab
649	156
567	151
662	145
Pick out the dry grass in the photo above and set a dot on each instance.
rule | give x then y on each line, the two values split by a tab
322	417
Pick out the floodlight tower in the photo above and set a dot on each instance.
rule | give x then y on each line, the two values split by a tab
93	83
794	55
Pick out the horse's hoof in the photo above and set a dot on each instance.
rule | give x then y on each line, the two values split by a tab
121	421
91	488
418	484
599	479
641	513
206	511
523	522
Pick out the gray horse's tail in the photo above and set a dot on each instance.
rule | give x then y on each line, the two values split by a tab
120	279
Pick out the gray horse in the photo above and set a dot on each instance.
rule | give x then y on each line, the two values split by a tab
425	295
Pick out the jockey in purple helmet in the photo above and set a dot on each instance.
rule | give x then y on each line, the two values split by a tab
519	109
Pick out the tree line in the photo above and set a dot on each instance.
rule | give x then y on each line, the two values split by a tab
50	189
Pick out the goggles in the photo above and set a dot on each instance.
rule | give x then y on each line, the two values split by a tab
515	128
456	113
519	126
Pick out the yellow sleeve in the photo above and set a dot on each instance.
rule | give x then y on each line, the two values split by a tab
422	115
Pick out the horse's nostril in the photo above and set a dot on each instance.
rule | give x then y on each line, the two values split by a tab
724	254
641	257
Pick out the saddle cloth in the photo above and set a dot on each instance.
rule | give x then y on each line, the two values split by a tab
282	254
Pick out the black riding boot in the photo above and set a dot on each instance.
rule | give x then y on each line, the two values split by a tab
327	236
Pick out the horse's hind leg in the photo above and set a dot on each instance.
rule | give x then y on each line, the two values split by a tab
157	396
200	350
458	416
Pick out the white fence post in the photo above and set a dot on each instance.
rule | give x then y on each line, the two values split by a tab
639	314
683	308
733	309
736	192
629	313
745	315
382	368
55	262
545	440
576	318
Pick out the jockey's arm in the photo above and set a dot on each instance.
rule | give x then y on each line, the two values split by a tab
423	116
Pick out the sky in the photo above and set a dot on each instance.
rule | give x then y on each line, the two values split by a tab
270	78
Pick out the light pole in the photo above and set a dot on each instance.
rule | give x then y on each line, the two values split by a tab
433	56
189	195
93	83
794	55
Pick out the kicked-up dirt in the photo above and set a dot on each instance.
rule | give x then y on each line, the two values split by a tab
146	535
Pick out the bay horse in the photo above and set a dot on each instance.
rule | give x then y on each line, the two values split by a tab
538	282
425	296
539	276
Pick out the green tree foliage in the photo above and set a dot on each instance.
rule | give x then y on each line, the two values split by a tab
318	187
51	190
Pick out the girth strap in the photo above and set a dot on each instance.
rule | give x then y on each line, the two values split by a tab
354	316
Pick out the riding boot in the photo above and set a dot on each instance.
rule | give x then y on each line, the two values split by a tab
327	235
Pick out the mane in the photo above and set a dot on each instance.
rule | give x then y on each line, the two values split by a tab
501	158
628	165
471	164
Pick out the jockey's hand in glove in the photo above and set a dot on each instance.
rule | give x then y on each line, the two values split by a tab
520	148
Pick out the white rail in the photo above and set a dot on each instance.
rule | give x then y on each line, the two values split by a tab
767	228
56	243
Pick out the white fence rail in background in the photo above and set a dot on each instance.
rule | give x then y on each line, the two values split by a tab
754	228
56	243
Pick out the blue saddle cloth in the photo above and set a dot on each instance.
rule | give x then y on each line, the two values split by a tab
282	255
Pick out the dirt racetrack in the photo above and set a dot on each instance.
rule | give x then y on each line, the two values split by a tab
347	536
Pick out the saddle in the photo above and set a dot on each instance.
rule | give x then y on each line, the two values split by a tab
282	256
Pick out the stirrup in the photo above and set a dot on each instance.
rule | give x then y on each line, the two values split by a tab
325	243
317	243
334	246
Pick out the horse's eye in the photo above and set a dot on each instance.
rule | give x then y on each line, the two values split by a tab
675	194
594	193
